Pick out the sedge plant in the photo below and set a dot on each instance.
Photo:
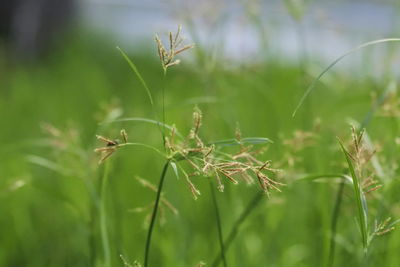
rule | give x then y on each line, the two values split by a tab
192	156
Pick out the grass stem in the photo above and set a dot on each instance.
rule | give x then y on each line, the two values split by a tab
103	215
154	214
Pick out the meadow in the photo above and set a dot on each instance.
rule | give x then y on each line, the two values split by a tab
61	208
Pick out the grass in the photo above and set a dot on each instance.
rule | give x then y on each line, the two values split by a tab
58	211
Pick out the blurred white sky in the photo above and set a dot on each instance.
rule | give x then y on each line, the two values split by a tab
327	30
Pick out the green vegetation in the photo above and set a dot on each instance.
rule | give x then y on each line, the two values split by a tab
61	208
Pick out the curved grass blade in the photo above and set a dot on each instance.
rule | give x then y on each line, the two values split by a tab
143	145
48	164
314	177
175	168
248	140
361	203
158	123
135	70
312	85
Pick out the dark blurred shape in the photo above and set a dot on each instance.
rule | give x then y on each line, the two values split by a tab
29	27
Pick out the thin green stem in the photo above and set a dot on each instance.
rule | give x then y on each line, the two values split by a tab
154	214
218	220
163	106
235	229
335	218
103	216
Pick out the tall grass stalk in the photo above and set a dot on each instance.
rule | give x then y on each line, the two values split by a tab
103	215
154	213
218	221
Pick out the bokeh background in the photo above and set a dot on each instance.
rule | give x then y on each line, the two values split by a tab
61	77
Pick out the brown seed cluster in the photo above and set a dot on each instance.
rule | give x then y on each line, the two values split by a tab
111	145
206	160
383	227
176	46
361	155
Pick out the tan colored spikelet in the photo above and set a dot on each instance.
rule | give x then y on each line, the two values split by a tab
206	160
167	57
110	145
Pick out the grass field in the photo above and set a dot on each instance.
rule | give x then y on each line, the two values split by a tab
59	207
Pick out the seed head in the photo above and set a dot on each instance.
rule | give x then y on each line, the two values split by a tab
167	56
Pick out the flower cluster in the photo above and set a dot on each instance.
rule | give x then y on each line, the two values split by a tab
206	160
167	56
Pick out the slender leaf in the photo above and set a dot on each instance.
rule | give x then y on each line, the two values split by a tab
175	168
361	203
314	177
158	123
312	85
135	70
248	140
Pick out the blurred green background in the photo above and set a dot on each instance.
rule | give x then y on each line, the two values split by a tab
53	100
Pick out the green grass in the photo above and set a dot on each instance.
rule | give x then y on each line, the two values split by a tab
57	217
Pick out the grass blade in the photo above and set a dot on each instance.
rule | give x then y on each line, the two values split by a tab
312	85
48	164
248	140
361	203
314	177
135	70
158	123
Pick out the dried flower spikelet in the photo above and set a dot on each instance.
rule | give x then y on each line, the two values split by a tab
124	136
361	154
164	203
207	161
50	129
167	57
300	140
238	133
110	145
197	119
384	227
201	264
61	139
126	263
195	192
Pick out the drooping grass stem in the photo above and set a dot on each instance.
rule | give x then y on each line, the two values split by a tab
218	221
235	228
103	215
154	213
